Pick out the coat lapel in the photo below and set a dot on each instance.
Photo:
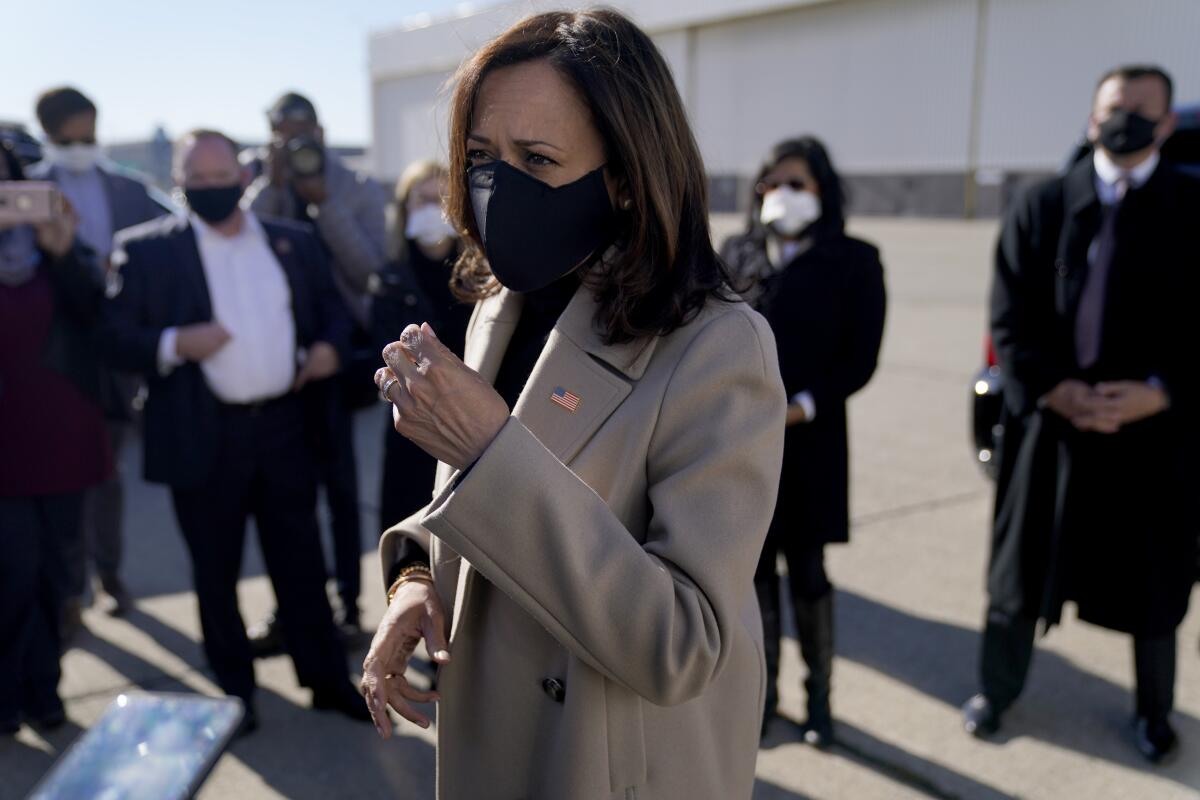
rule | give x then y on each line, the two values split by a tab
193	273
575	360
1081	222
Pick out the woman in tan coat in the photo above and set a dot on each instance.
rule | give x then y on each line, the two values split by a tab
610	446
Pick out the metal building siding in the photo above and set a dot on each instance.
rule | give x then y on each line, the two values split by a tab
886	83
410	121
1043	59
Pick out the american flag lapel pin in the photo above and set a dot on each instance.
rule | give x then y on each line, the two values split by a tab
567	400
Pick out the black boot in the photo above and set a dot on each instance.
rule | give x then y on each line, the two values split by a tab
768	603
814	628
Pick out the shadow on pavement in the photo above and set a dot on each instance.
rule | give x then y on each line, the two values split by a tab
1063	704
298	752
887	759
765	790
22	765
302	754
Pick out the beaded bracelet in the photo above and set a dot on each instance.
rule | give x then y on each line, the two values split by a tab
413	572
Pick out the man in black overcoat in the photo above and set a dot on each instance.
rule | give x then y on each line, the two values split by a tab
1092	307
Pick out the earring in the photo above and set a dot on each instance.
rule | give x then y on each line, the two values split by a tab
626	204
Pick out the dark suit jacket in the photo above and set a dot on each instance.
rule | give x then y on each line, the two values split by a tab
129	199
159	284
1102	520
826	308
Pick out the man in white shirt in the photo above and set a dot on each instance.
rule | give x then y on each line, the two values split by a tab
230	317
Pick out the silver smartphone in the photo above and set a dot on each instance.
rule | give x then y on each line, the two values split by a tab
28	202
147	746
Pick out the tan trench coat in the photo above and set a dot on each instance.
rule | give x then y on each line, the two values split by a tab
596	565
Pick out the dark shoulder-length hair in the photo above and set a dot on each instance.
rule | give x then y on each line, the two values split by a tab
666	268
812	151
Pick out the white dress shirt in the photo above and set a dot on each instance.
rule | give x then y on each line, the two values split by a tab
251	299
1108	174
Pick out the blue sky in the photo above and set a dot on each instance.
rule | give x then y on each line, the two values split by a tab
217	63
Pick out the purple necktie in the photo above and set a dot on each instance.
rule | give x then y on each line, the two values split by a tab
1089	316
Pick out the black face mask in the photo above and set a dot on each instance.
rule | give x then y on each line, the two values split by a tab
534	234
216	204
1126	132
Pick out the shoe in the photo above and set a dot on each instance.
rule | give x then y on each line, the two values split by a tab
342	699
819	735
118	601
50	720
248	725
266	637
1156	740
980	718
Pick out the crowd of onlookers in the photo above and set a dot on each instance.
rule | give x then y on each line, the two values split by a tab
236	335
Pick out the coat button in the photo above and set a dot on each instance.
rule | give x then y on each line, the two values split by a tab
554	689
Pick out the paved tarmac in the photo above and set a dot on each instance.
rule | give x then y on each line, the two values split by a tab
909	608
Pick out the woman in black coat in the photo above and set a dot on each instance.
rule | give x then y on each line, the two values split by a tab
823	294
413	288
53	447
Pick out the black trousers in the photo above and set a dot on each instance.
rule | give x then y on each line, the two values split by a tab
1008	651
338	473
264	470
33	585
806	569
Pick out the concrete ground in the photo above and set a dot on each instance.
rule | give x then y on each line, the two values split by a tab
909	608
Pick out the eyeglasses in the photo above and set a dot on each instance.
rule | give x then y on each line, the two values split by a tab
795	184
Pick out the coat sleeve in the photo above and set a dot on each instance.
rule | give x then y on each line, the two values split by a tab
658	617
406	542
1019	305
351	223
333	321
862	334
78	281
128	342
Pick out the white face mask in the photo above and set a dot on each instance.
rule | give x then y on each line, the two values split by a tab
73	157
787	211
428	226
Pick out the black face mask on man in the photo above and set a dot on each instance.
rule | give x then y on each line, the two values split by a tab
534	233
1126	132
215	204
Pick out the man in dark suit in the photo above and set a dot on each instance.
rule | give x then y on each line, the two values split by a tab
228	317
1092	301
106	201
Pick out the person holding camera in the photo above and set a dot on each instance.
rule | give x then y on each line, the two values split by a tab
106	200
303	180
54	445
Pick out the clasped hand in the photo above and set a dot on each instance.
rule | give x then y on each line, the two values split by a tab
438	402
1105	407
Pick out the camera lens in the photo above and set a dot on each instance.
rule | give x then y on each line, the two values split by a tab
306	157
